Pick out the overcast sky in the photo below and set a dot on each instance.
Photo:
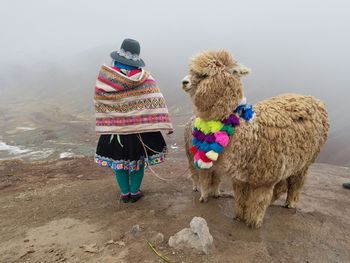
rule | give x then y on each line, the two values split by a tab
35	29
298	46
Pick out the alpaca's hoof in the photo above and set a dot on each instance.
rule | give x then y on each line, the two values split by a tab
290	206
255	224
217	195
203	199
195	189
237	218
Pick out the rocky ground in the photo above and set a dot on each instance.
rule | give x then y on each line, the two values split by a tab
68	211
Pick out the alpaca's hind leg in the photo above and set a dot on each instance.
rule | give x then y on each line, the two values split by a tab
259	199
295	184
205	183
280	188
240	192
215	184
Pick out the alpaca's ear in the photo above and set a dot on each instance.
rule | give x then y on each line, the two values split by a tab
240	70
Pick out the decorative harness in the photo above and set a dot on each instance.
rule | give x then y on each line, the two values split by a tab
211	137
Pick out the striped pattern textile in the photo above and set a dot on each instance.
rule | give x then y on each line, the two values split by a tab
126	105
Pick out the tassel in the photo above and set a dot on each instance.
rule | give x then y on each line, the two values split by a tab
119	140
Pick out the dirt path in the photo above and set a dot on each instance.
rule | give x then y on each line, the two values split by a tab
68	210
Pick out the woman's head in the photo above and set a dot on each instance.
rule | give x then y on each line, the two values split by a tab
129	54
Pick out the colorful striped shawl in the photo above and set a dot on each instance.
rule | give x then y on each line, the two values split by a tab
126	105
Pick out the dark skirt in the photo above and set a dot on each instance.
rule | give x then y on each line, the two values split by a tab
128	153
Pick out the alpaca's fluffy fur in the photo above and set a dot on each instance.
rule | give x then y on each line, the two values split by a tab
265	158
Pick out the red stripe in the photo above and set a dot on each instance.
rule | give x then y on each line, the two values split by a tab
98	90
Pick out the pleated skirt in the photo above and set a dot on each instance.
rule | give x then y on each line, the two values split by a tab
131	151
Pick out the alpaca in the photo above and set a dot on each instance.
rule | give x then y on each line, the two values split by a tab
264	158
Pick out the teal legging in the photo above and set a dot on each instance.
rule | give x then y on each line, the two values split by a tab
129	182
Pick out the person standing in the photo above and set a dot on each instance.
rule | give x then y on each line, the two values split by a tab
131	112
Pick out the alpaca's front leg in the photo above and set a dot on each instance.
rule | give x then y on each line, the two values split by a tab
195	182
204	181
194	176
216	180
259	198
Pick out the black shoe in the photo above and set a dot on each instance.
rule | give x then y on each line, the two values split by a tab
135	197
346	185
125	198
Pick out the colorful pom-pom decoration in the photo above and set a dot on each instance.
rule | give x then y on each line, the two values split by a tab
211	137
212	155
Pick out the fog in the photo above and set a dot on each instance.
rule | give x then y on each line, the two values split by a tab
55	47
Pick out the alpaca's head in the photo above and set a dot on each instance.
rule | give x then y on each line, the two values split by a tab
214	84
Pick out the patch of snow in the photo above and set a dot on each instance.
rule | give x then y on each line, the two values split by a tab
66	155
12	150
25	128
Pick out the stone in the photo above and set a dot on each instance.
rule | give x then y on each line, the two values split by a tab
158	238
120	243
112	242
197	236
90	248
109	242
135	229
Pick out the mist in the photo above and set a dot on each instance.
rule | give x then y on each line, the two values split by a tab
51	50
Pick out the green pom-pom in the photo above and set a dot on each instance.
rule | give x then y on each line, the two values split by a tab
229	129
196	164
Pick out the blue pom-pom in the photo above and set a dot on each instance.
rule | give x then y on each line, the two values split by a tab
248	113
216	147
205	147
239	109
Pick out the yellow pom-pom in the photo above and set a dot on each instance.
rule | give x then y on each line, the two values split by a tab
215	126
197	122
202	125
208	126
212	155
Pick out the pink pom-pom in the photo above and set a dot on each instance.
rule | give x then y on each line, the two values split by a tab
197	156
222	138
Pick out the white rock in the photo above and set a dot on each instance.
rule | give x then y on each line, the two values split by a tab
197	236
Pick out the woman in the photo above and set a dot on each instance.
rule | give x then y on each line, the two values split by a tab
130	113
